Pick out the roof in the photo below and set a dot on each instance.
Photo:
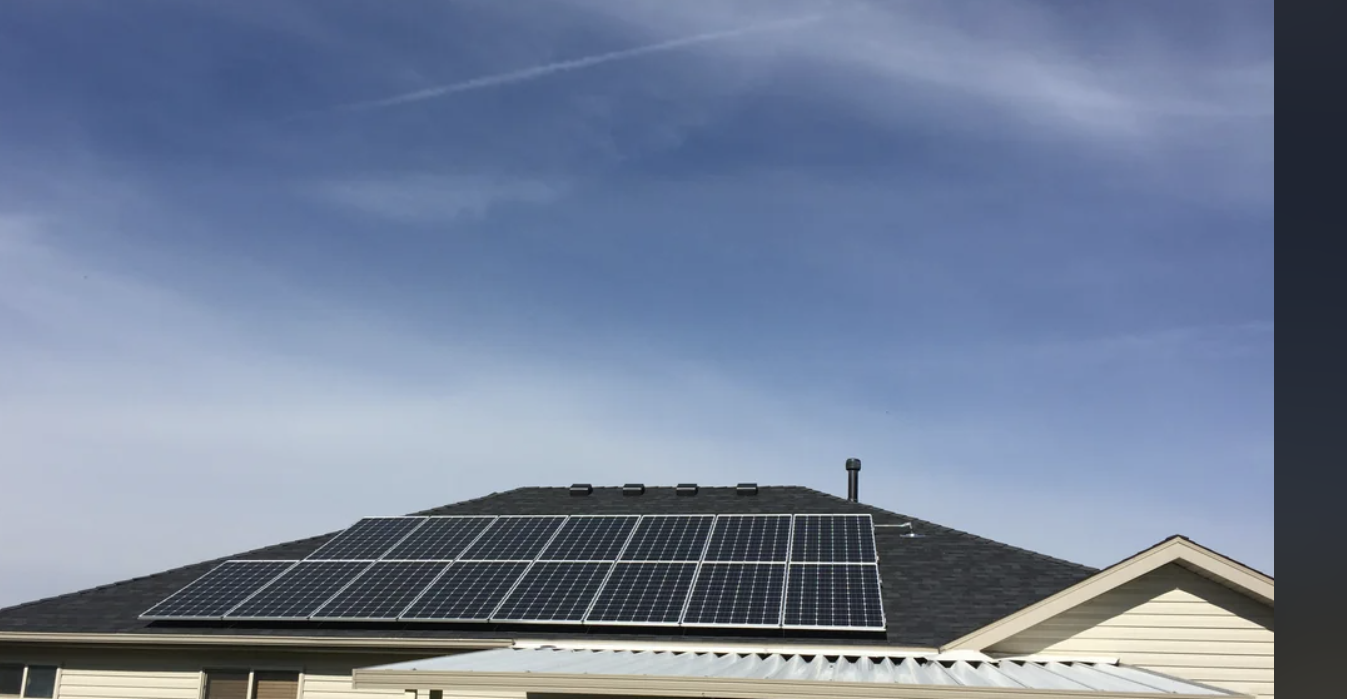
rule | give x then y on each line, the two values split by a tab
770	675
1176	549
938	586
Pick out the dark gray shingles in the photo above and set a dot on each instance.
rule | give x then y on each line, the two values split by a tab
937	587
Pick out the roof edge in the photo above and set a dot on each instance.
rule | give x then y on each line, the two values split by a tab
315	642
1175	549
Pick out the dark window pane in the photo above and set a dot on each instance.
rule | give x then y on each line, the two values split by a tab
226	684
11	679
41	681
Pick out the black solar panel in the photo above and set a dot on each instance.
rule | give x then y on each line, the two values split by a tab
382	591
219	590
834	597
833	539
750	538
439	539
736	594
466	592
556	592
644	593
514	539
669	538
300	591
590	539
367	539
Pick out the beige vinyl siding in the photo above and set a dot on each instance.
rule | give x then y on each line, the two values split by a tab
1170	620
106	683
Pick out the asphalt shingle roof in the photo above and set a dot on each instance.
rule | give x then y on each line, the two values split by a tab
938	586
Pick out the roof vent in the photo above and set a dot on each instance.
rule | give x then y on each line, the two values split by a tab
633	489
579	489
746	489
686	489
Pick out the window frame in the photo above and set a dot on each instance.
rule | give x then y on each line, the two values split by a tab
251	671
23	679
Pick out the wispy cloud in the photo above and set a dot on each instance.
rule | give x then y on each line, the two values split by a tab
435	198
136	383
536	72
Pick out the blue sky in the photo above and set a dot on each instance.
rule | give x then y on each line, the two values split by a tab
273	266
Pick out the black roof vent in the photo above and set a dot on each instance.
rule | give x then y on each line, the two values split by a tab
633	489
746	489
582	489
686	489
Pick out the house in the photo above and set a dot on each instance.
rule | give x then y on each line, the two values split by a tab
962	616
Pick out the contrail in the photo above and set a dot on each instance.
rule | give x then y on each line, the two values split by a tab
526	74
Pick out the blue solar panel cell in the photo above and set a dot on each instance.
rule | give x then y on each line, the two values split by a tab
218	591
750	538
466	592
669	538
590	539
737	594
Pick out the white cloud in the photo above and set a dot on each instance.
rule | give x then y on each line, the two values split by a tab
422	198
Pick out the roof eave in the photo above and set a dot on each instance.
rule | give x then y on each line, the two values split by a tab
729	688
258	640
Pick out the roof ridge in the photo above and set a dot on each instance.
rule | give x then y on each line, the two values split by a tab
958	532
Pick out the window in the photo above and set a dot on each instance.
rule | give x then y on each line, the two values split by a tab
226	684
30	682
265	684
275	685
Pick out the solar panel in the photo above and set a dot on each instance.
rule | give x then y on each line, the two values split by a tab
833	539
299	591
669	538
382	591
466	592
590	539
834	597
366	539
736	594
439	539
514	539
555	592
643	593
750	538
218	591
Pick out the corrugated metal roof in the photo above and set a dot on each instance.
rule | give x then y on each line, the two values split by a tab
1069	675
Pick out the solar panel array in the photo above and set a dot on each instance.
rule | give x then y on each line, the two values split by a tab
744	571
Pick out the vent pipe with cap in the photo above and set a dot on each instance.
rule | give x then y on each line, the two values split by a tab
853	479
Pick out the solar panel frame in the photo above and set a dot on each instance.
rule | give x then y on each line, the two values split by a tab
864	571
425	529
592	582
757	567
740	554
500	526
352	568
322	552
608	584
548	553
648	522
280	568
508	571
826	553
337	601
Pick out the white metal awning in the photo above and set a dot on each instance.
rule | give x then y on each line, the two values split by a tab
705	673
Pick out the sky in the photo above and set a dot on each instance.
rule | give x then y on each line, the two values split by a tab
269	266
